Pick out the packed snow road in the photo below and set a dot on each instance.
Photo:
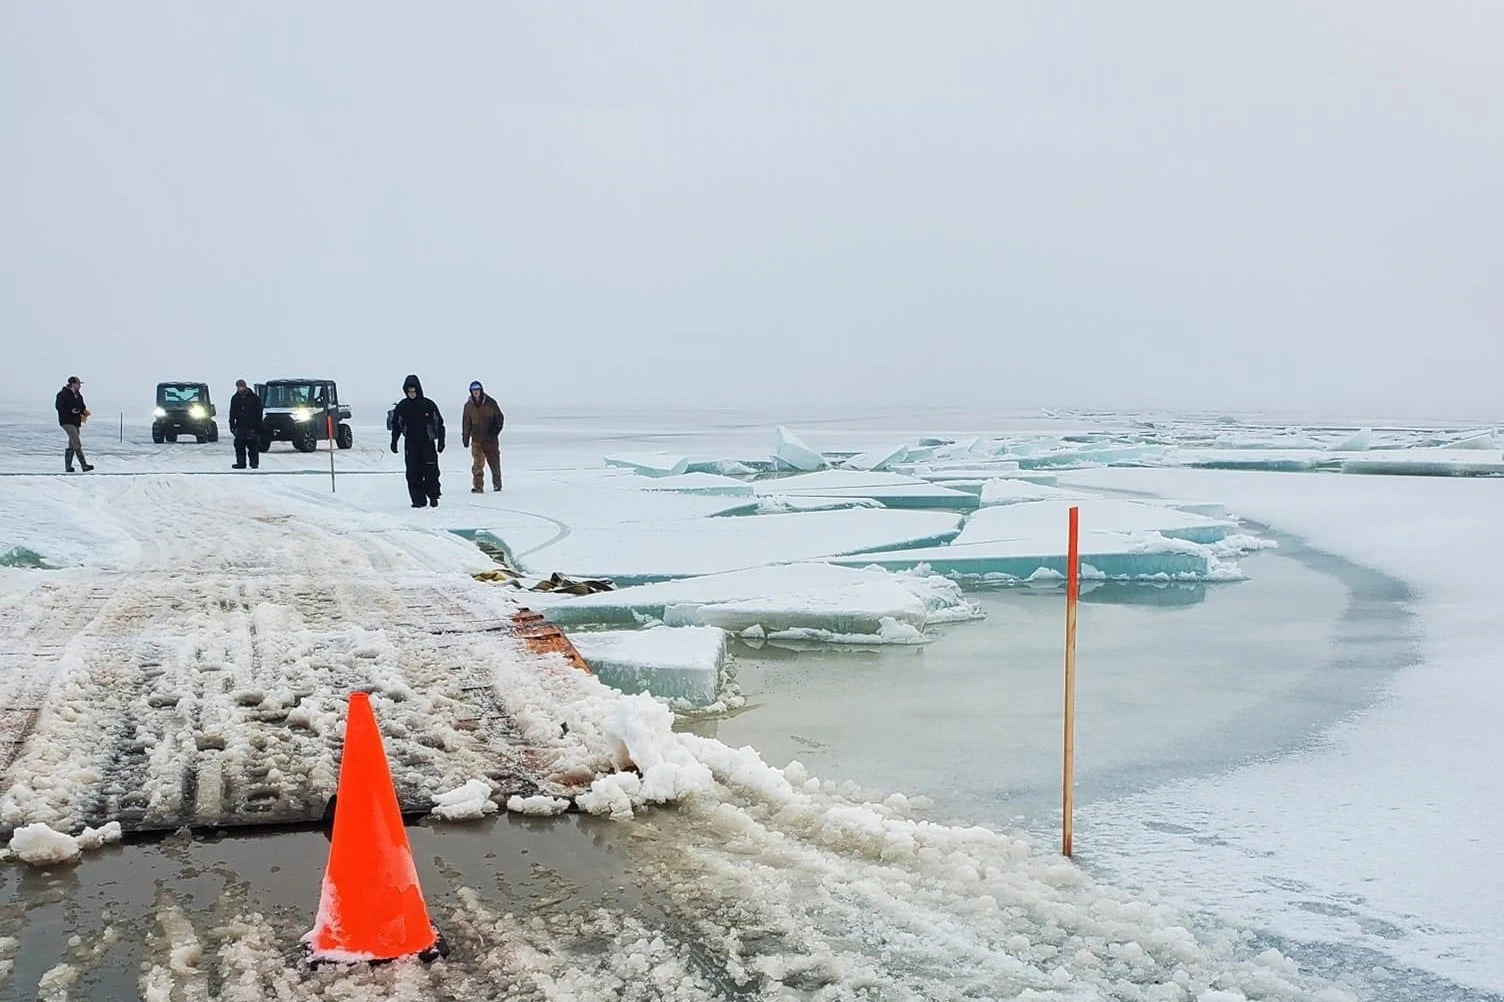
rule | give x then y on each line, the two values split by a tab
196	672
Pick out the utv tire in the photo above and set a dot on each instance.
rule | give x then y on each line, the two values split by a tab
306	443
172	436
214	431
156	435
344	437
201	437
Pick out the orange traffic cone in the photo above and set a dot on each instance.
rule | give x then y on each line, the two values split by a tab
371	907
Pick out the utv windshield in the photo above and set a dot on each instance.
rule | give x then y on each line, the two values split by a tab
294	395
179	395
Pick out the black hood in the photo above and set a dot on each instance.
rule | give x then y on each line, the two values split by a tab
414	382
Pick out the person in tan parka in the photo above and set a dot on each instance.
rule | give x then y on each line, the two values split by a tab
480	429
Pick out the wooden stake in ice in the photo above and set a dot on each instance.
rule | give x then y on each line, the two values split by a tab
1072	591
329	425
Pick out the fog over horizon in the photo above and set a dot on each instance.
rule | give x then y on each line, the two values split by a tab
1168	205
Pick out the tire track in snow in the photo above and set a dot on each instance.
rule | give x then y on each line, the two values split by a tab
209	684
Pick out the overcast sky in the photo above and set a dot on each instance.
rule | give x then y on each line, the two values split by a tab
1252	205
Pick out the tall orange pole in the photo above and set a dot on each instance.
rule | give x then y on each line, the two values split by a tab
329	424
1072	592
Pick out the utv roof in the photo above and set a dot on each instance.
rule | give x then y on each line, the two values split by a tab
275	382
182	382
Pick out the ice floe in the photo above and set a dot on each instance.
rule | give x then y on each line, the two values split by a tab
793	453
674	663
652	464
892	490
1119	540
815	596
637	553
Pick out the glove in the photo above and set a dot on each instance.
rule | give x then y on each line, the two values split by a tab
441	445
465	441
394	447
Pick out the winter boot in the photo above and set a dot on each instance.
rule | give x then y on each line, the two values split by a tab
68	460
477	490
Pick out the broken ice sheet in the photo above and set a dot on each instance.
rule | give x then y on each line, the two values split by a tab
1119	539
844	600
1441	462
668	662
794	454
695	483
892	490
652	464
636	553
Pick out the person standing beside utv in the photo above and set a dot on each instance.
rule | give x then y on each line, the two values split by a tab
418	420
245	425
71	414
480	430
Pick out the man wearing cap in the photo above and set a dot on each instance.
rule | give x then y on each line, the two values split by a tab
71	414
480	429
245	425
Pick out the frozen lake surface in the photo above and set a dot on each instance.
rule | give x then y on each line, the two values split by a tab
1230	732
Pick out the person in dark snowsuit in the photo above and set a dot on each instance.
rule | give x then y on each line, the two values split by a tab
245	425
71	414
418	419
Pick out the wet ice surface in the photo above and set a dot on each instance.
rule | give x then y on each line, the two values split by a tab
768	886
1173	679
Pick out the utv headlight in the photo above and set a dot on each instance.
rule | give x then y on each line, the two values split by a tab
159	412
197	412
302	414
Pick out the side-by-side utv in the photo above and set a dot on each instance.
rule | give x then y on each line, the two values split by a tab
299	411
184	409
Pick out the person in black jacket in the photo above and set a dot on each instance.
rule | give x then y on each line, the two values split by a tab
418	419
245	425
71	414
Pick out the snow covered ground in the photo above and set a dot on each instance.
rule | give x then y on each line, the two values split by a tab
187	649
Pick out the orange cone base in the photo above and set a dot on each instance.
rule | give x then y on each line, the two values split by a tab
439	951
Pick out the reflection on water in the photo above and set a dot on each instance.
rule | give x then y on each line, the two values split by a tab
1174	594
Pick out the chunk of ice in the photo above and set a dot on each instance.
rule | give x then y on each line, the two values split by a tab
1114	555
1042	519
1096	454
1440	462
775	504
1233	459
637	553
795	454
856	608
1004	492
668	662
41	845
892	490
473	800
724	467
1119	539
652	464
1483	440
697	483
811	595
878	459
1359	441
